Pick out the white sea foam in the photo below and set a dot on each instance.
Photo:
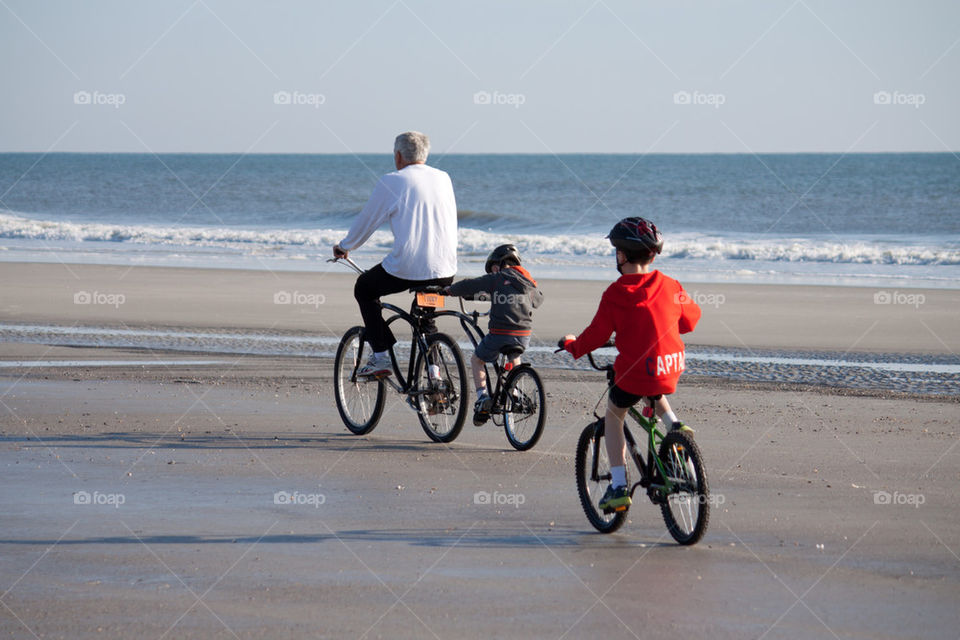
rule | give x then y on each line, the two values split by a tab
742	249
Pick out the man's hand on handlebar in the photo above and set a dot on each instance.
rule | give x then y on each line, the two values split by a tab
562	342
339	253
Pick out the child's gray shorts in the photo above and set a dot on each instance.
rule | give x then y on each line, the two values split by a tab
489	347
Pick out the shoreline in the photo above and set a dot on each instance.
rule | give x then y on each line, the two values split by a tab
747	317
38	362
774	270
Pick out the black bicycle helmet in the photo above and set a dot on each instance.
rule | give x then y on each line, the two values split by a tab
501	253
636	235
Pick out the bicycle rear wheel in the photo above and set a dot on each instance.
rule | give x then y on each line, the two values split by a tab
686	508
591	485
360	402
524	408
441	403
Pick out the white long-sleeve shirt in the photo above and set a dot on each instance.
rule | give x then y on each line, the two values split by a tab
418	201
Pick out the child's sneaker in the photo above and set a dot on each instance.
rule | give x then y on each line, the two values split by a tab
679	426
481	409
615	499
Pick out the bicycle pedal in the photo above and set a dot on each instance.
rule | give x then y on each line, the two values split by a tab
608	511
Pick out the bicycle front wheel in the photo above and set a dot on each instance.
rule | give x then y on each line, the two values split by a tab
441	401
359	401
593	477
524	408
686	508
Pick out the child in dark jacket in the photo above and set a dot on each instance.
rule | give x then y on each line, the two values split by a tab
514	295
648	311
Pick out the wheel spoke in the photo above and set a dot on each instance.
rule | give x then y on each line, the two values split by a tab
440	403
590	491
686	510
359	402
524	413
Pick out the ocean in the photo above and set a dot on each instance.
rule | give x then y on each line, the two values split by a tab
857	219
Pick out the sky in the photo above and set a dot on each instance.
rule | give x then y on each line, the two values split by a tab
599	76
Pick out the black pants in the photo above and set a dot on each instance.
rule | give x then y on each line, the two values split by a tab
375	283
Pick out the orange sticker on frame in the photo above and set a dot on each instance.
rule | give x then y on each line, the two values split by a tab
433	300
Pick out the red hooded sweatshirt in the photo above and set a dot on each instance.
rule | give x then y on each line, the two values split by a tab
648	312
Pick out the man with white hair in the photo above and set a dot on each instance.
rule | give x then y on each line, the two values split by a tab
418	202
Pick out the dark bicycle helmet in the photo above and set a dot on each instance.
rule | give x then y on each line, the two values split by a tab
501	253
636	235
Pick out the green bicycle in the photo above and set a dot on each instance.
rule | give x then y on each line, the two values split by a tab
673	474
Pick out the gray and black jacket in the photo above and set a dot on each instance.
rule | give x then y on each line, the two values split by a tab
513	294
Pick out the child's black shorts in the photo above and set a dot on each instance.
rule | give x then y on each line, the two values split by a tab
625	399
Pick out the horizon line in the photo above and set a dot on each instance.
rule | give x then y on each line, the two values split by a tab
488	153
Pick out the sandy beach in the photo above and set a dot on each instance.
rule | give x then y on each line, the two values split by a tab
843	319
176	176
838	517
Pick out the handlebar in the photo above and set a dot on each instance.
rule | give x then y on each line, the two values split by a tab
348	261
593	363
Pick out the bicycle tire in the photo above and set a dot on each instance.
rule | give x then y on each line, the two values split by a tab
359	411
590	491
446	424
686	513
518	437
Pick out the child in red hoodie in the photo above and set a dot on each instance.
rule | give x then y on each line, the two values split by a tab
648	311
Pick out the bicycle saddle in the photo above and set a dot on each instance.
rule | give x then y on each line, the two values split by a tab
432	288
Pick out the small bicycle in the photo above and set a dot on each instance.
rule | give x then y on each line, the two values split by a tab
519	401
439	396
673	473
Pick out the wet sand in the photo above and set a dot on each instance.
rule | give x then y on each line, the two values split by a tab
839	514
844	319
801	546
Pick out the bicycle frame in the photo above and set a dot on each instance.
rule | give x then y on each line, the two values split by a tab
651	468
471	326
418	345
418	341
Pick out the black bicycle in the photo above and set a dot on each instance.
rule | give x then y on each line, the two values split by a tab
519	403
673	473
435	383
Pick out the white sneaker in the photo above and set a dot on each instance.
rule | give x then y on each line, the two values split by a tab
377	366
